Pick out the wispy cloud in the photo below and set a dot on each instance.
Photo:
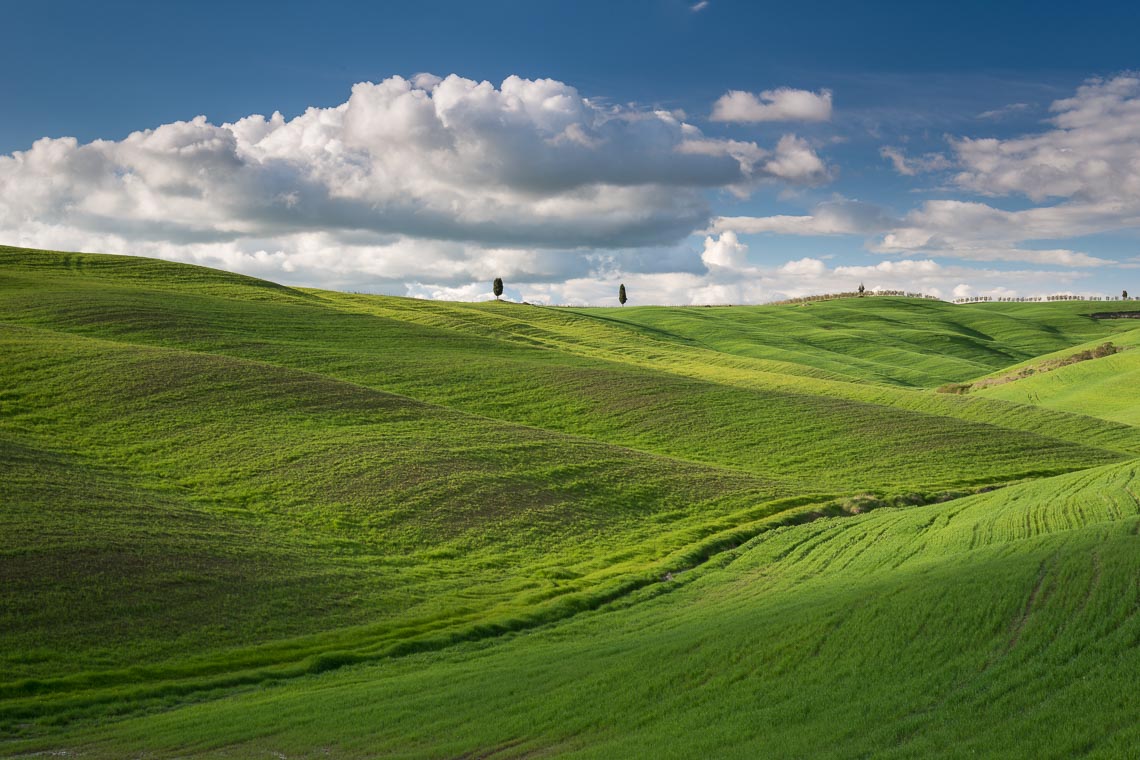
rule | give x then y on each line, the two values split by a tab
1081	177
698	7
1004	111
911	166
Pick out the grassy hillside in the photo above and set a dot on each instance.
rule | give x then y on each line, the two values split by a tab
397	503
1001	625
903	341
1104	387
541	367
213	483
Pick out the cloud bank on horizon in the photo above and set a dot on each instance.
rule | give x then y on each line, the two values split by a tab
433	186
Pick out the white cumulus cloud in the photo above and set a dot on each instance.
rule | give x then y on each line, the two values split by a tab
1092	153
782	104
725	252
528	163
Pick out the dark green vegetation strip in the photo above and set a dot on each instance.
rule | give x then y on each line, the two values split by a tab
213	482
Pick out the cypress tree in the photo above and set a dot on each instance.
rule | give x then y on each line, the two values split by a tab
498	286
621	294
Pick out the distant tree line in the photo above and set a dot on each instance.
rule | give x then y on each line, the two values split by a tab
856	294
1041	299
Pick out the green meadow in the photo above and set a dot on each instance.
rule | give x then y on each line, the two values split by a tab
1103	388
239	519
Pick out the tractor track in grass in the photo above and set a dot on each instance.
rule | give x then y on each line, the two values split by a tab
1030	603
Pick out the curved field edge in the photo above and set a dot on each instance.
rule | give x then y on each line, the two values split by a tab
885	634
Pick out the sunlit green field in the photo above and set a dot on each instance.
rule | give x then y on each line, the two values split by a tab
1104	388
238	518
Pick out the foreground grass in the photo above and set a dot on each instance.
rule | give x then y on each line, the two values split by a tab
1003	624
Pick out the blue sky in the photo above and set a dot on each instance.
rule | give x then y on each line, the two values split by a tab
962	149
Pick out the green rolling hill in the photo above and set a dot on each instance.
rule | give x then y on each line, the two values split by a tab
243	518
1104	387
